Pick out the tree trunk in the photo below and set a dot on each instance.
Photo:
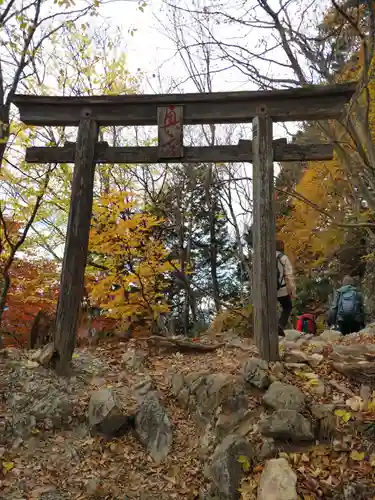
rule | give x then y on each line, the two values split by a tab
4	130
3	298
213	241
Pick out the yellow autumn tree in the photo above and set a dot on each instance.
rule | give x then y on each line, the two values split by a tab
126	246
312	230
328	199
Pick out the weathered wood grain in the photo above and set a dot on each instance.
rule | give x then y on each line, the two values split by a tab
170	132
264	242
76	247
216	154
307	103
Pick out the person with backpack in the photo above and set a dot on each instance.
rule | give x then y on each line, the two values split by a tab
286	288
347	312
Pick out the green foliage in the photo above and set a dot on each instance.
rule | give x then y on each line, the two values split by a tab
312	294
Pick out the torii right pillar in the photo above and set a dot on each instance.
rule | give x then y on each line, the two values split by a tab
264	241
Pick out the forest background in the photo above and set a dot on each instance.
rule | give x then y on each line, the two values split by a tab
167	244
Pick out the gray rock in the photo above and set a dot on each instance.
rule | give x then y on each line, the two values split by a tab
209	392
183	397
12	353
239	423
255	373
268	449
46	354
278	369
369	330
300	367
105	412
48	408
284	397
133	359
35	355
288	345
234	341
177	383
144	386
295	356
154	427
57	410
357	491
278	481
217	401
292	335
318	387
326	428
285	425
317	346
322	411
351	353
308	336
315	359
330	335
226	471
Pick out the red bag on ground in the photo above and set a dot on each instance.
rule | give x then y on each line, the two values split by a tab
306	323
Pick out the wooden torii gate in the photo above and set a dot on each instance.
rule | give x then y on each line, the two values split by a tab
170	113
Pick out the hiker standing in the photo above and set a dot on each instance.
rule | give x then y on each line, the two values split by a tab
347	311
286	288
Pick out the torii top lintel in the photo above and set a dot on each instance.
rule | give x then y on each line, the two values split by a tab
307	103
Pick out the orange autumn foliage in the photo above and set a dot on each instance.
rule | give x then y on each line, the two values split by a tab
34	288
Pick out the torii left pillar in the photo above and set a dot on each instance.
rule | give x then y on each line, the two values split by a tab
77	240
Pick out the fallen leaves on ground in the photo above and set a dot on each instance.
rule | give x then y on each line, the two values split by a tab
83	465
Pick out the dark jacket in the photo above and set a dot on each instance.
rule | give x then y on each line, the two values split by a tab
334	316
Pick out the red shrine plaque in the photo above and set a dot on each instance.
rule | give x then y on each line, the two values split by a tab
170	132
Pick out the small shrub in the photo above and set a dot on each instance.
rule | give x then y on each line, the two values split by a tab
239	320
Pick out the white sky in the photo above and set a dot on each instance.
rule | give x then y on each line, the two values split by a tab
151	51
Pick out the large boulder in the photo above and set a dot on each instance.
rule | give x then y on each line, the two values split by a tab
154	427
133	359
205	393
326	425
226	470
351	353
292	335
295	356
105	413
46	354
58	410
317	345
315	359
255	372
368	331
52	410
284	397
143	387
278	481
286	425
330	335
